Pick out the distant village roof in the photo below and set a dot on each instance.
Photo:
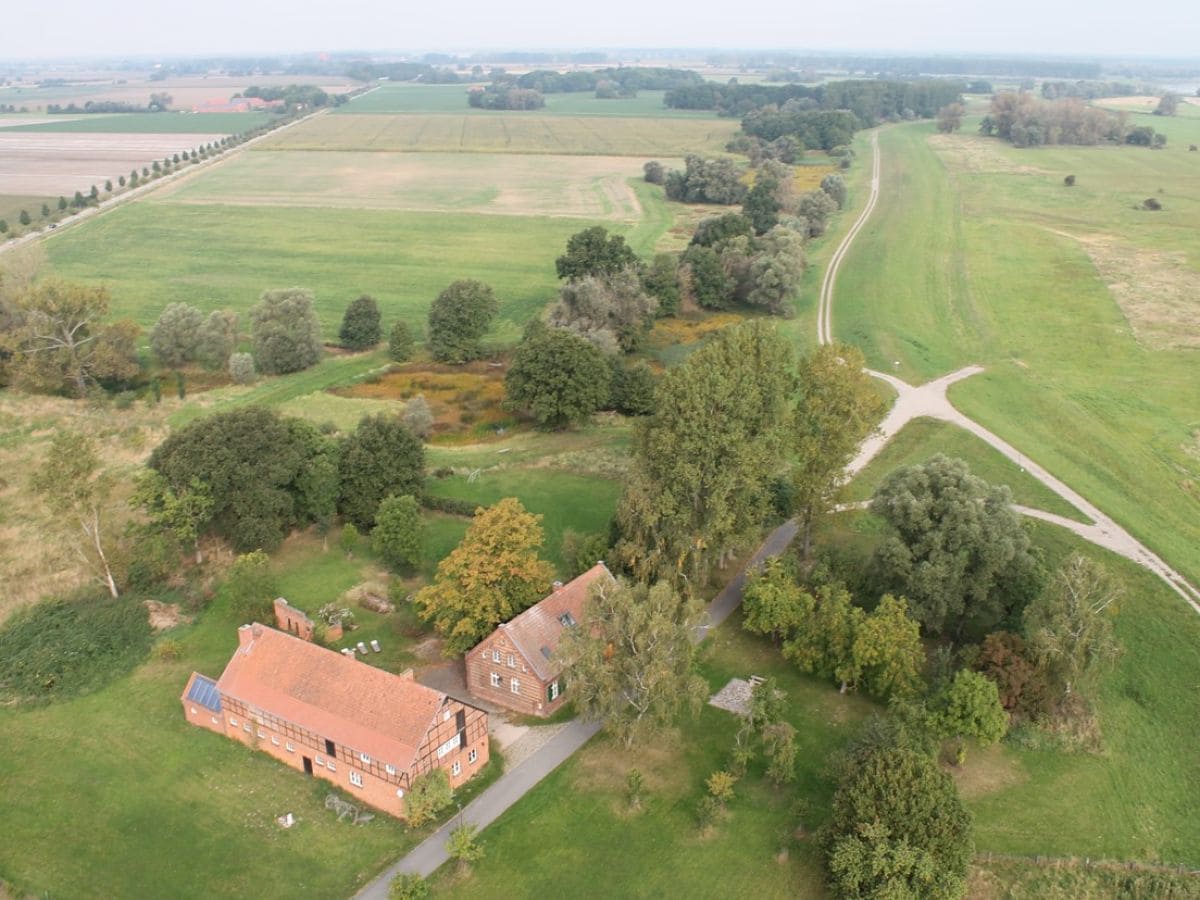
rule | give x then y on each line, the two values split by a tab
537	631
334	696
237	104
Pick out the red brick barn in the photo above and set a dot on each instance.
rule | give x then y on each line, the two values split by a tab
331	716
515	666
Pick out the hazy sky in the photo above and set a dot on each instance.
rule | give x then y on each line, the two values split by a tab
1100	27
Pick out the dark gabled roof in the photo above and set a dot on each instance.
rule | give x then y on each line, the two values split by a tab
537	631
204	691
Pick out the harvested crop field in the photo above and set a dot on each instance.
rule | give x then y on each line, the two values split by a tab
595	187
185	92
573	135
42	164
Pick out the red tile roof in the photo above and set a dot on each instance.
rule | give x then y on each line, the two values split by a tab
537	631
343	700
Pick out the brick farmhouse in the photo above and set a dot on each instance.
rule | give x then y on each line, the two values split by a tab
515	666
366	730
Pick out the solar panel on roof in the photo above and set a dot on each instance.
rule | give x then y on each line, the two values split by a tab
204	691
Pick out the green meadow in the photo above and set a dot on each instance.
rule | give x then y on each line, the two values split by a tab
151	123
216	257
978	253
452	98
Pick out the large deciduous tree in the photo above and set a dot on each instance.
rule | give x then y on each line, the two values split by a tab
607	308
380	458
774	604
898	829
969	706
361	327
698	487
62	344
836	409
398	535
887	650
285	331
458	320
176	334
252	461
632	661
955	547
217	339
77	491
594	251
183	513
1070	625
558	377
492	575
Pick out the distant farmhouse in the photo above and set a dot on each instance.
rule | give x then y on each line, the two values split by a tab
366	730
516	666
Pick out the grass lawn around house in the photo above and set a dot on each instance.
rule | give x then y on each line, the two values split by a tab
977	253
577	826
564	500
1131	801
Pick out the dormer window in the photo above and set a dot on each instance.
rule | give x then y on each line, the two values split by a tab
567	620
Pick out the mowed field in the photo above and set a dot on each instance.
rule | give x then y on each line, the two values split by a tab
594	187
36	164
1081	306
644	136
218	257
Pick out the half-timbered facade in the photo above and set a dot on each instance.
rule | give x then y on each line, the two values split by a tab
516	666
334	717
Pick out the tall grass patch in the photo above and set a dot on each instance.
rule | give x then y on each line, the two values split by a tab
67	646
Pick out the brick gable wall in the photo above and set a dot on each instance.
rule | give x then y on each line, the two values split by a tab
532	695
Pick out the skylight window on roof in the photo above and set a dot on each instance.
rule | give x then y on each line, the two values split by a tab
567	620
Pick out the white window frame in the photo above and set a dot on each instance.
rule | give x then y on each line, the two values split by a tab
356	778
215	720
472	756
262	734
456	769
290	748
233	721
495	655
390	769
496	679
512	661
446	714
247	727
514	686
320	761
553	691
365	757
194	710
330	765
275	740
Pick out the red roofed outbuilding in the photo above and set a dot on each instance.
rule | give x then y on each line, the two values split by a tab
516	666
366	730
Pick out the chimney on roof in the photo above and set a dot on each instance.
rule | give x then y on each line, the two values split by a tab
248	633
406	675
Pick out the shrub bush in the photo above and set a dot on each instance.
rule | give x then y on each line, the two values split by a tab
68	646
